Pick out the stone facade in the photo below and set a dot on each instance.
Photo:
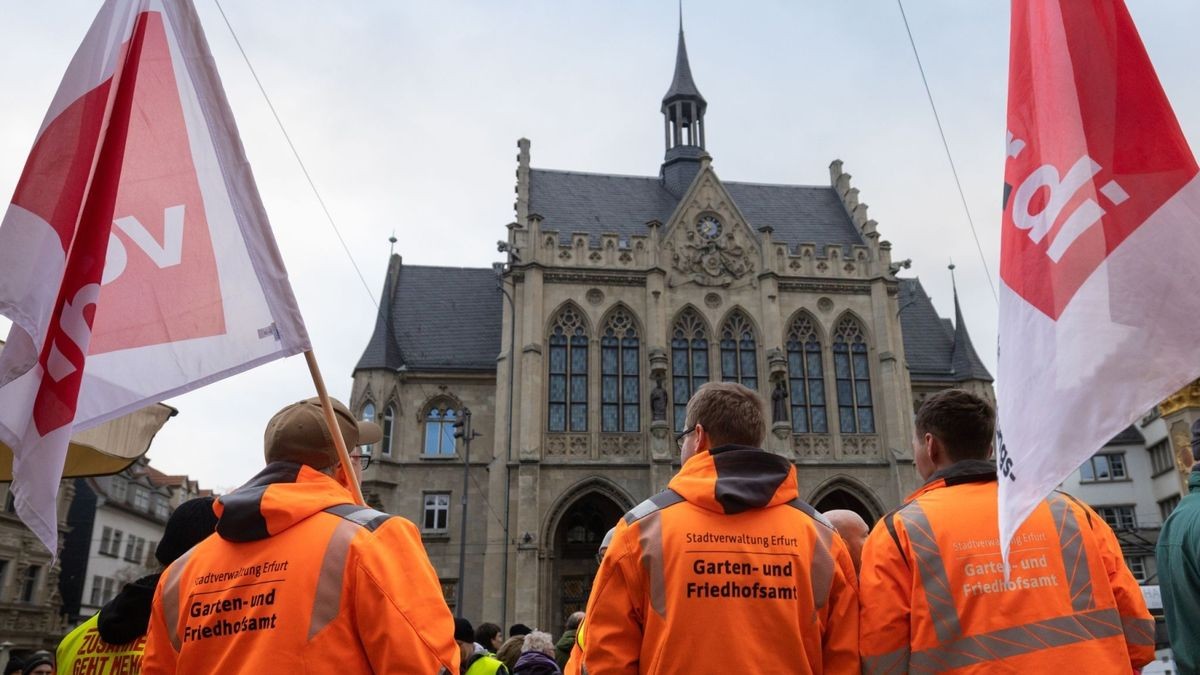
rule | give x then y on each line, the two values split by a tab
616	284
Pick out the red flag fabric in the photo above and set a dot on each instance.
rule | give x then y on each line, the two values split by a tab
136	260
1098	316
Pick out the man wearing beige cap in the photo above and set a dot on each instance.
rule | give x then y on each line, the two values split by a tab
299	579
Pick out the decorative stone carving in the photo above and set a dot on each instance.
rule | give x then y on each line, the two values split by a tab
567	446
825	305
1181	442
712	300
658	401
595	296
779	404
812	446
860	446
1188	397
620	445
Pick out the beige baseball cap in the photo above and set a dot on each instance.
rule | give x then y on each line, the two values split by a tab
298	433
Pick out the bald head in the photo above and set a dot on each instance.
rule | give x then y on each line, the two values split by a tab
853	529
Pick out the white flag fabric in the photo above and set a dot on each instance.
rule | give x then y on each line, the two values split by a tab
136	260
1099	314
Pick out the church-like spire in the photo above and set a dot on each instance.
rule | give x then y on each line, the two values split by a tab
683	122
964	360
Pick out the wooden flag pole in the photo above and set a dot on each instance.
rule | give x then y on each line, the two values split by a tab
331	422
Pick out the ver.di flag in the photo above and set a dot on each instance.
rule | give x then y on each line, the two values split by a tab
136	260
1099	306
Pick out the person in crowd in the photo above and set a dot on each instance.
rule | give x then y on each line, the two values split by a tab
537	656
853	529
728	549
474	657
510	651
38	663
300	579
562	648
936	596
519	630
1178	554
13	665
116	633
490	636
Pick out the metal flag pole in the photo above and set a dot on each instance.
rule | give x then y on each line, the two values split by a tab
334	429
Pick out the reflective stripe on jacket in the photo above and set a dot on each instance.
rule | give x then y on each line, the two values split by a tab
934	598
298	580
727	550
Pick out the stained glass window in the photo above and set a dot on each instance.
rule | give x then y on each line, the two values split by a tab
738	360
806	378
689	361
620	393
856	414
568	383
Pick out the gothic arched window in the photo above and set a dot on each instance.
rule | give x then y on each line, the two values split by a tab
388	426
568	372
368	415
855	412
689	361
439	431
738	361
806	378
620	393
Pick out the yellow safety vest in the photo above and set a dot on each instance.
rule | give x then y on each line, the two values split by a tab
84	652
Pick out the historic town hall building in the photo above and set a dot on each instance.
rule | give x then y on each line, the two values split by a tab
619	297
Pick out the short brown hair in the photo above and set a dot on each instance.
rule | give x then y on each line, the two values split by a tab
963	422
730	414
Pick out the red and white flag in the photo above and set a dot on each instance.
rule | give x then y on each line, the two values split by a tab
136	260
1099	314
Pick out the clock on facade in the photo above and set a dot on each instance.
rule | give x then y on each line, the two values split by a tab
709	226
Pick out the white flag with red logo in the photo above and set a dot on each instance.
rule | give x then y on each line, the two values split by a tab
1099	311
136	260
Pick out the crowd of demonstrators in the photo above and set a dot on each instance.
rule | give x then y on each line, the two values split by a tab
935	595
728	548
117	633
37	663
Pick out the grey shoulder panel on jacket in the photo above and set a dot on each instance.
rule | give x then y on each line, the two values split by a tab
363	516
658	502
805	508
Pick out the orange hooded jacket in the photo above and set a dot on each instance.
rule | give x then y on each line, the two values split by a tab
728	549
299	580
934	598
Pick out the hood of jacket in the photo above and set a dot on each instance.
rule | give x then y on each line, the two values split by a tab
1194	479
734	478
126	617
281	495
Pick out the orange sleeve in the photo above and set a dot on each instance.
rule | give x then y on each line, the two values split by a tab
400	613
1136	621
839	643
885	600
614	617
160	657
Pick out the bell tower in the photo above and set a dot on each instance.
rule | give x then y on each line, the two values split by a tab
683	124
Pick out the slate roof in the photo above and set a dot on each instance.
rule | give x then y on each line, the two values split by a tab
436	318
930	344
682	84
596	203
1130	436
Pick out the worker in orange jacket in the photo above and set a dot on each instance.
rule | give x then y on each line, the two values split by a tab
299	579
933	593
727	549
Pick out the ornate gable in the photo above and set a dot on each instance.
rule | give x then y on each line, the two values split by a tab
708	241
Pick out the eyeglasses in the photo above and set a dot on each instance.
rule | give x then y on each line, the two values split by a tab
363	460
679	437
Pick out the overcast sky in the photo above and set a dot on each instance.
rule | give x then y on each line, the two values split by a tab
407	116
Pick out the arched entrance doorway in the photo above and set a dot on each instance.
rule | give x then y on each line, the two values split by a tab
576	540
841	495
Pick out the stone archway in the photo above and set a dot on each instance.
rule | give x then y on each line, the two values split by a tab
575	541
841	494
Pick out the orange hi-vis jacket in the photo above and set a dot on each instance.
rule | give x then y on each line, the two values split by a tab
300	580
934	597
727	551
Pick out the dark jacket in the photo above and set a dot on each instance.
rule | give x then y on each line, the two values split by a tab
126	617
562	648
536	663
1178	557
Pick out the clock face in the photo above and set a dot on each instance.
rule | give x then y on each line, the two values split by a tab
708	226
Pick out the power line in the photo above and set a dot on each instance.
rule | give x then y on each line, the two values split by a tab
296	154
945	144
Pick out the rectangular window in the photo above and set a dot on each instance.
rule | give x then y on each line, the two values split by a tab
115	550
1103	467
30	583
151	561
162	509
1137	565
106	540
450	592
109	590
1118	517
141	499
1166	506
130	547
118	489
437	512
97	589
1161	460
